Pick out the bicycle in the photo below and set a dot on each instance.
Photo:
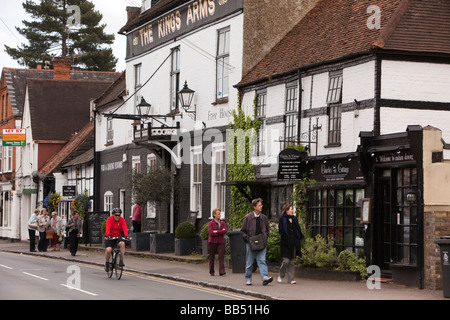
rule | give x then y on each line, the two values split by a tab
116	260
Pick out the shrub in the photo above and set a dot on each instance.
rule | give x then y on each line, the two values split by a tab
185	230
349	261
318	253
204	234
273	244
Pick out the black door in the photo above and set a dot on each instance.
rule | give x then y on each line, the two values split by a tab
383	228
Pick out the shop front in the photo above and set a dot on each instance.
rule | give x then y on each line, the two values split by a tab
393	170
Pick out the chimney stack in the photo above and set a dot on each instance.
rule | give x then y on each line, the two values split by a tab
61	68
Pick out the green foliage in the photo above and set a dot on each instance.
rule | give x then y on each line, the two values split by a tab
300	201
185	230
318	253
51	28
273	244
349	261
103	227
245	129
204	234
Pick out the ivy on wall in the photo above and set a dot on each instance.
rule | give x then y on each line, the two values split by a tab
239	166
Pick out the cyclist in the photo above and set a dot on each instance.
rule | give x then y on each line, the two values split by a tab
115	226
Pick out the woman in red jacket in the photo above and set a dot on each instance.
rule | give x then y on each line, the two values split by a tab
115	226
216	241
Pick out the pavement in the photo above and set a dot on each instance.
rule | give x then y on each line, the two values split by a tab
195	270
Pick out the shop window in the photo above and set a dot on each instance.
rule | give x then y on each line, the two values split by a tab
336	213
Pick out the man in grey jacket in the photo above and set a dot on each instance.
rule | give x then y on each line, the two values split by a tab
253	224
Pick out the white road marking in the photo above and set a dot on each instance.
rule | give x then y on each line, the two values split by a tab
84	291
33	275
1	265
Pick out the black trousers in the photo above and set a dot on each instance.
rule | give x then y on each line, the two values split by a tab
73	241
32	235
43	243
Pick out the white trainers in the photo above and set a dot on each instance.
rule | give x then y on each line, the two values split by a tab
280	280
293	282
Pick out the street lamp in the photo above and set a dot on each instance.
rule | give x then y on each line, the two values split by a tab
143	108
185	96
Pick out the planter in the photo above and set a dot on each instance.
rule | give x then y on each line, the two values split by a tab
161	242
238	251
205	248
326	274
140	241
185	246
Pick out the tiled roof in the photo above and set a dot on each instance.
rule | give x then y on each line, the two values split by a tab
338	28
76	146
16	82
59	108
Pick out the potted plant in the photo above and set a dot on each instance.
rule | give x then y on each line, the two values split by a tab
204	234
185	239
157	186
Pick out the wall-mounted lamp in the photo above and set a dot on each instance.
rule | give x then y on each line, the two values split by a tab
185	96
143	108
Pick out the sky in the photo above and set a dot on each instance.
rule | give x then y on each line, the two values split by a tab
12	13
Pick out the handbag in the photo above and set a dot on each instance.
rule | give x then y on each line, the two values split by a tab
33	225
49	234
257	242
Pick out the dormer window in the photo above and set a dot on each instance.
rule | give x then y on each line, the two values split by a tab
146	4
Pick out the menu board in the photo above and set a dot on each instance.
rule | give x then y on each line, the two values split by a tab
95	220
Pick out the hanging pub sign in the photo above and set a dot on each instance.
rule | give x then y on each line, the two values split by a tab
186	18
289	164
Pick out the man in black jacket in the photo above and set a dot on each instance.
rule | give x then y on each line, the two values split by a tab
253	224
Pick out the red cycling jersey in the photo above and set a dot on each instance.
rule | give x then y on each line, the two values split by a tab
115	228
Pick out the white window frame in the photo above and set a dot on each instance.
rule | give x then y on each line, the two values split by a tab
196	181
217	182
7	159
222	63
108	201
174	78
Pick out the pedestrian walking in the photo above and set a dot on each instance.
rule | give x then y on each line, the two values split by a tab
43	222
290	236
56	224
74	229
136	218
255	232
217	229
32	228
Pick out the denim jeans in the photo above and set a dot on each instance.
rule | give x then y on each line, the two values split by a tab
260	260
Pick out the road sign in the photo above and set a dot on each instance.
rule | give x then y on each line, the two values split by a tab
13	137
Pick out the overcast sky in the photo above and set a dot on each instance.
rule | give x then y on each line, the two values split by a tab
12	13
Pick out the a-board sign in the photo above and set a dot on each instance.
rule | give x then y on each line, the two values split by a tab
95	220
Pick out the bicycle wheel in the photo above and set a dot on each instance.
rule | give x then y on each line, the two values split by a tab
118	264
111	264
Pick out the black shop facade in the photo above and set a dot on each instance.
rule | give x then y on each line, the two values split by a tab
369	202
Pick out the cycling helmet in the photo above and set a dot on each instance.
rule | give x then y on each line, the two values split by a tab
115	210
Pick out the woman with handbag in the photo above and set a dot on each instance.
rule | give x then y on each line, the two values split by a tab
291	234
42	228
57	227
32	227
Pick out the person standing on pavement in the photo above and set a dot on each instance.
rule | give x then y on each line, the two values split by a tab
291	234
57	227
136	218
43	222
75	227
216	241
255	223
32	231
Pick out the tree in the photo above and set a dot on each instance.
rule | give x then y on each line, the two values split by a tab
156	186
67	28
